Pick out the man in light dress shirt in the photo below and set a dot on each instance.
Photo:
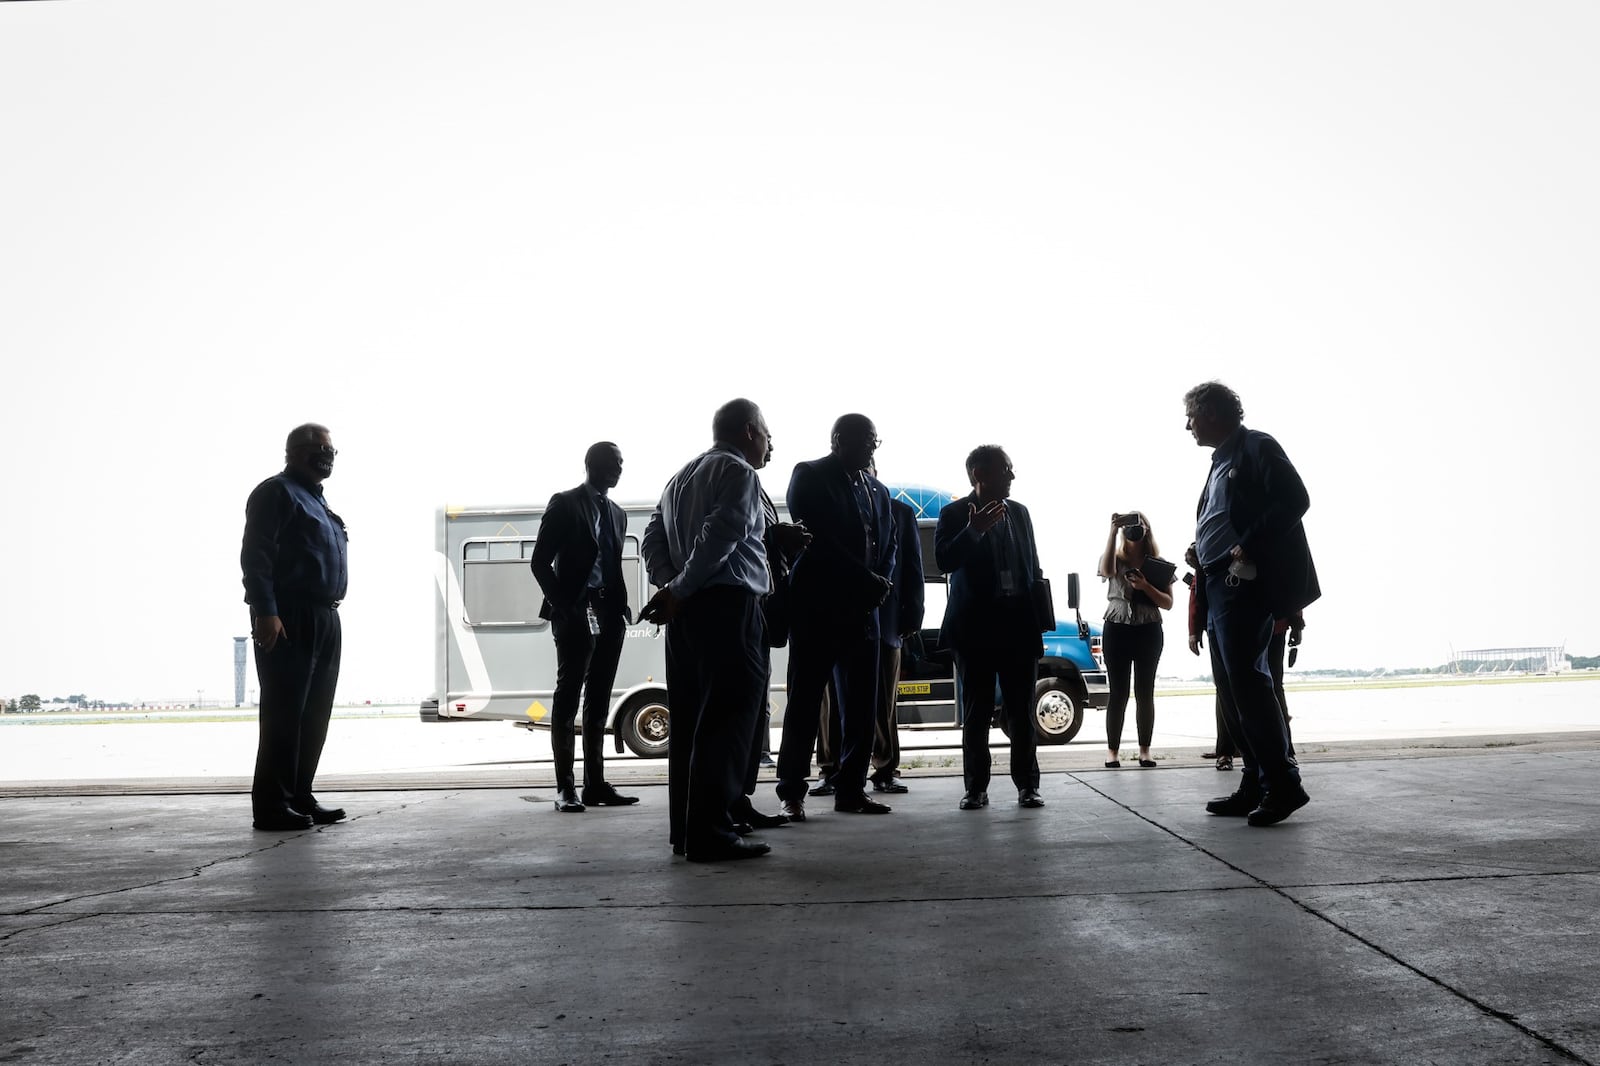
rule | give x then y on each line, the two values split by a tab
703	548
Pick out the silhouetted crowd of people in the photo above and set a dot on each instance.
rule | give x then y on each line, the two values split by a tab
841	585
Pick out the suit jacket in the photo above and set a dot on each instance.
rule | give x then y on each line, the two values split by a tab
902	611
974	616
832	583
566	548
1266	500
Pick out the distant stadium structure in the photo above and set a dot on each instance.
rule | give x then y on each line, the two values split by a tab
1533	660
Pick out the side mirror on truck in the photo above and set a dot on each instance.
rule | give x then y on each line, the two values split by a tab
1072	601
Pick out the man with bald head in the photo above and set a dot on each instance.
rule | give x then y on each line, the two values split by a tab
295	575
835	589
577	561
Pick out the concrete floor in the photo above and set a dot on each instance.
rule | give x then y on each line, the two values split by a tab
1436	910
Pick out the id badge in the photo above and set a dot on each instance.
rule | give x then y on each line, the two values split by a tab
1008	583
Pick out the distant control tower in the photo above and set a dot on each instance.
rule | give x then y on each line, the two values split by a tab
238	670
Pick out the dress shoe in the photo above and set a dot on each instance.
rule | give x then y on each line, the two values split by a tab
1147	763
821	788
1238	805
859	805
727	850
890	785
1114	764
567	803
793	810
1029	797
1277	805
286	820
320	814
972	801
606	796
744	829
764	821
677	849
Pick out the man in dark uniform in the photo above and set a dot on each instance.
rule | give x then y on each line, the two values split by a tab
577	560
1255	567
295	574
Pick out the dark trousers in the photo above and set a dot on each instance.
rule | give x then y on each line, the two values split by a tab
297	681
1241	633
885	723
716	684
828	734
1225	744
977	672
758	740
1275	658
586	662
886	726
1131	650
818	652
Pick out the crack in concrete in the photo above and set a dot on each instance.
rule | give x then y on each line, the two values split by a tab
1439	877
1505	1017
194	873
39	928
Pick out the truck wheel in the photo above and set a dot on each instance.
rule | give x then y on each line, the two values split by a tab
645	724
1057	710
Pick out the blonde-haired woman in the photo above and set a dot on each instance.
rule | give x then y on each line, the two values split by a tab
1131	638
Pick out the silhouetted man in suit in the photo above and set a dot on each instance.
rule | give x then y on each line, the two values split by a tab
835	589
295	573
1256	566
986	545
577	560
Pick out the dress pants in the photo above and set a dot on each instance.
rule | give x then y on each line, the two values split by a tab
758	739
829	732
1276	655
977	671
717	665
1240	624
297	681
586	662
819	651
886	726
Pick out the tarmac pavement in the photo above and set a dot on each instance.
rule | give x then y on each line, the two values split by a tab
1419	910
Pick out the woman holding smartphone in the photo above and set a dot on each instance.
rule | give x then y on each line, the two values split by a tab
1131	638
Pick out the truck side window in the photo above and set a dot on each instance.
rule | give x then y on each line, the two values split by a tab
496	585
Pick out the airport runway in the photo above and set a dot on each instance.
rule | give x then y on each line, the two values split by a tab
393	748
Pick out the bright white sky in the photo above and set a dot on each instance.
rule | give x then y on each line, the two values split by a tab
472	239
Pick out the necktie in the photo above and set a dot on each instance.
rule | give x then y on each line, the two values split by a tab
610	569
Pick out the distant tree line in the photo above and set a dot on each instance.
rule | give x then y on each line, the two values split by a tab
31	702
1491	666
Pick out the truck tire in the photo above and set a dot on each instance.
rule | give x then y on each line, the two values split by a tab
644	724
1058	704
